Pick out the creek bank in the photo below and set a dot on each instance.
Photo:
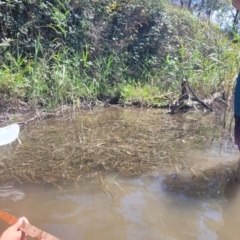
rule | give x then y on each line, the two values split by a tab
136	51
25	112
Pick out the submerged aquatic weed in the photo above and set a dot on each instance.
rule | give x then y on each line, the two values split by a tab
126	141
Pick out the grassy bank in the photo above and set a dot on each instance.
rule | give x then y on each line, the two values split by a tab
65	52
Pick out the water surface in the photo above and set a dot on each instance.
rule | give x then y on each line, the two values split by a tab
135	208
124	174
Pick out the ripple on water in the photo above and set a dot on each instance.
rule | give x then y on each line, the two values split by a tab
10	193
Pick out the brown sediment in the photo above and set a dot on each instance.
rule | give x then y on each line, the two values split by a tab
127	141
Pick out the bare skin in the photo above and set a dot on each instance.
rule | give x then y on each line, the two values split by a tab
13	232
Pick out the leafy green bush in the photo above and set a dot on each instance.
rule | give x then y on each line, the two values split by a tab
58	51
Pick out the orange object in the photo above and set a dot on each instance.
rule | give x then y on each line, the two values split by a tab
27	228
236	4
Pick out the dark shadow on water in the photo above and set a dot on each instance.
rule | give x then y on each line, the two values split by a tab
233	184
231	208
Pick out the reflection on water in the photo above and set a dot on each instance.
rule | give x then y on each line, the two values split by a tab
142	210
12	194
129	208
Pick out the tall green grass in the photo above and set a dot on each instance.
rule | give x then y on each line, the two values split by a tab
139	64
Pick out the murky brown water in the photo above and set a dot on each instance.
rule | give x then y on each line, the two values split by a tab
183	161
141	210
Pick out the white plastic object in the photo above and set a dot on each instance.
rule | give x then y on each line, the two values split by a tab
9	134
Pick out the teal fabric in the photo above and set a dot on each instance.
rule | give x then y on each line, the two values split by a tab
237	97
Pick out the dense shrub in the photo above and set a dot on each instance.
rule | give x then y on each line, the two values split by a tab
135	29
58	51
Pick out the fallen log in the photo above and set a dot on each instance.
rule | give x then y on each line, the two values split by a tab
196	97
186	101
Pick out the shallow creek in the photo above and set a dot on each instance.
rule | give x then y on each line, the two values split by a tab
127	205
